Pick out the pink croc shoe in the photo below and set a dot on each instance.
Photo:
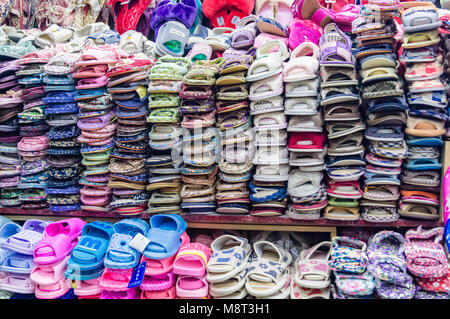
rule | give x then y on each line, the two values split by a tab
59	240
158	282
115	280
86	288
190	287
131	293
162	294
49	274
53	291
191	259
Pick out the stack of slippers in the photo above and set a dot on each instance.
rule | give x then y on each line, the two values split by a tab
433	278
85	273
445	34
34	171
97	122
228	282
344	127
305	128
352	280
159	278
18	261
165	161
392	280
385	112
10	105
234	127
121	258
268	186
127	84
200	142
166	231
191	280
61	111
48	273
426	115
33	127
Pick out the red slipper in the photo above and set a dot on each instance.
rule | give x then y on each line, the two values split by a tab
216	11
134	12
238	9
119	11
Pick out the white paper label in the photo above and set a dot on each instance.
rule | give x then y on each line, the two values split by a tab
175	31
139	242
220	21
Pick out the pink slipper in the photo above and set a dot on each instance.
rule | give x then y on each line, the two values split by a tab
104	132
58	241
100	178
161	294
131	293
33	143
158	282
92	71
191	259
94	142
88	288
95	200
95	191
192	287
301	31
53	291
115	280
49	274
102	54
92	83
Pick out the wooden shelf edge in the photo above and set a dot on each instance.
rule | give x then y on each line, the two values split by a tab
20	214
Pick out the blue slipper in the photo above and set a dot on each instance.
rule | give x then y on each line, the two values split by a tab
65	108
424	141
440	114
422	164
164	235
59	88
142	111
58	80
64	208
380	179
134	103
434	99
63	191
86	259
387	104
18	264
59	97
119	254
107	36
89	93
